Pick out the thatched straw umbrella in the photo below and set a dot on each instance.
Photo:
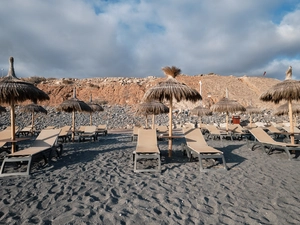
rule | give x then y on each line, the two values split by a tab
284	109
169	90
95	108
72	105
151	108
33	108
252	110
228	106
288	90
201	111
13	90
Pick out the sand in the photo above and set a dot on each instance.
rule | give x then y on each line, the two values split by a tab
94	183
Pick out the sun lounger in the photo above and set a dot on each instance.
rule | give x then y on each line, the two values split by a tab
5	136
101	129
214	132
269	144
196	144
49	127
26	131
162	129
44	143
146	148
238	131
65	134
135	133
89	132
272	130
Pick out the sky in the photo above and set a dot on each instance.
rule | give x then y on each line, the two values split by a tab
136	38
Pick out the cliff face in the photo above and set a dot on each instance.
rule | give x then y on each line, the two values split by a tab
130	91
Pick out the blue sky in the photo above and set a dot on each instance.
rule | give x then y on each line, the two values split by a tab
136	38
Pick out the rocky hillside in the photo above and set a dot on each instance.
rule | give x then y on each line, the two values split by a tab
130	91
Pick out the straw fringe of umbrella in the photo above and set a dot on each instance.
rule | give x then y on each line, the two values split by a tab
169	90
13	90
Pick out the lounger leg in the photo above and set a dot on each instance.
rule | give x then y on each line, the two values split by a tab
288	153
200	163
224	163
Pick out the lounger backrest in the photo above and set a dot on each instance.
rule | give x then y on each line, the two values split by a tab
261	135
194	136
287	128
46	138
102	126
162	129
147	137
136	130
65	130
273	129
212	129
90	129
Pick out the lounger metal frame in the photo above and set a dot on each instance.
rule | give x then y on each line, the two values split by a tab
203	151
25	156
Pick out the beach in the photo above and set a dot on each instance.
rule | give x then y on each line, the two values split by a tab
94	183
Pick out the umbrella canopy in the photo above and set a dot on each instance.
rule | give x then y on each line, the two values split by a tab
284	109
33	108
228	106
169	90
288	90
95	108
73	105
151	108
252	110
201	111
13	90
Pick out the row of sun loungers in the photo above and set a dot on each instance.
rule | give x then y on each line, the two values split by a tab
147	149
44	145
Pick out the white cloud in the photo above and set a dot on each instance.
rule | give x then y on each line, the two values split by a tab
80	38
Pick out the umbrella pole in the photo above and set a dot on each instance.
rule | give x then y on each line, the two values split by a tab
291	123
13	128
227	121
170	129
73	125
90	119
146	126
250	120
153	121
32	122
